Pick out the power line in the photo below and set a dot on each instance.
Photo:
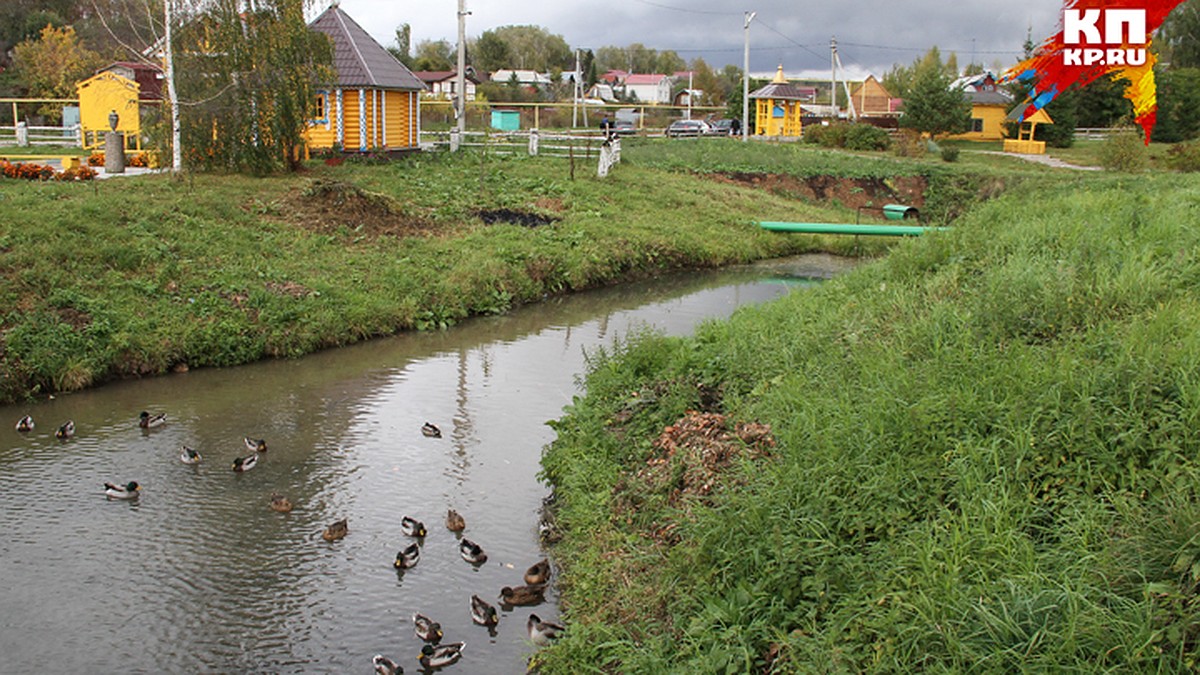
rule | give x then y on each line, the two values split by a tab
687	10
785	37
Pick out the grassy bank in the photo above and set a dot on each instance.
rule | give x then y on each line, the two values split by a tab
138	276
981	458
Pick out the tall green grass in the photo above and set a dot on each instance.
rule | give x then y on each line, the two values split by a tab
136	276
985	461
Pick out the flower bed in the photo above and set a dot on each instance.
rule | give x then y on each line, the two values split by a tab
43	172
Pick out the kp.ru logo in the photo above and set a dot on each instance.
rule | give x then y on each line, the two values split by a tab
1099	38
1123	42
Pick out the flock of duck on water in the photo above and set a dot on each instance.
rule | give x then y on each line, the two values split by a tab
433	653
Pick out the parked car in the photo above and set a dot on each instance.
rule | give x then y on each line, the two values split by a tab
687	128
625	127
723	127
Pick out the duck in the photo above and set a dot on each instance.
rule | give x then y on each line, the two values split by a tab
483	613
472	552
440	655
66	431
542	633
455	522
431	430
255	444
522	595
427	629
539	573
408	557
25	424
188	455
385	666
246	463
148	421
336	530
131	490
412	527
280	503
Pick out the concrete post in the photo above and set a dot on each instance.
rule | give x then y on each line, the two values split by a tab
455	140
114	152
22	135
533	142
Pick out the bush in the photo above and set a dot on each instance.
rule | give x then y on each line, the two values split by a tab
909	144
1124	151
826	135
949	153
866	137
1184	156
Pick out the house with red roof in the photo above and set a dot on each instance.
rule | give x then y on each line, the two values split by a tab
652	88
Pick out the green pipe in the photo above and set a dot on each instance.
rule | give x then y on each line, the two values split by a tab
840	228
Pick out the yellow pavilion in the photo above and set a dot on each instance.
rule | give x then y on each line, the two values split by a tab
777	107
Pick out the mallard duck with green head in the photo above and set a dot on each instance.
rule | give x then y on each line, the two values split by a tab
408	557
255	444
67	430
188	455
25	424
130	490
472	552
431	430
412	527
244	464
542	633
436	656
483	613
148	421
427	629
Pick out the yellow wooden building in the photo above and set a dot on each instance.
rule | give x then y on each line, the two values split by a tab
373	104
989	111
99	96
1024	144
777	107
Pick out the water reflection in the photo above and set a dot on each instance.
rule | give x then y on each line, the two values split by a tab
200	574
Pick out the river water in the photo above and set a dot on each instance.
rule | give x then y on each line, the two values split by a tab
200	575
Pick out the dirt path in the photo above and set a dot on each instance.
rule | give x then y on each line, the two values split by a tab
1042	159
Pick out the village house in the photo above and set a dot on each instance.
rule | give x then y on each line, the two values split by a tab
373	101
652	88
443	84
989	107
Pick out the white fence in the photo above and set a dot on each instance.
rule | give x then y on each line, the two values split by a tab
23	136
575	145
1094	133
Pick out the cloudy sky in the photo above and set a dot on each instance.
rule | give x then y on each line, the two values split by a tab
872	34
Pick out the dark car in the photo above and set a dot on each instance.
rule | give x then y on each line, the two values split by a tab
724	127
687	128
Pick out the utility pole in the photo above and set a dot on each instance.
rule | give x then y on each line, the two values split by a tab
461	77
833	75
576	94
746	77
689	95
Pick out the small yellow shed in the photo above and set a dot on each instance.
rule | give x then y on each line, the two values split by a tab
101	95
777	107
1024	144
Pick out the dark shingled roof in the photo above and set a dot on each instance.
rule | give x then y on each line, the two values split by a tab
359	60
783	91
988	97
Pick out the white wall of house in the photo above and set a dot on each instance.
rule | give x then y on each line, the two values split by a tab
659	92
